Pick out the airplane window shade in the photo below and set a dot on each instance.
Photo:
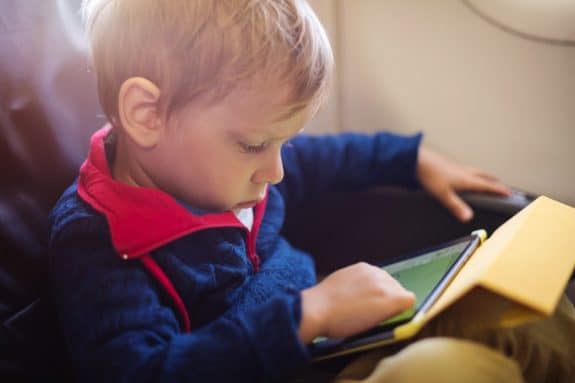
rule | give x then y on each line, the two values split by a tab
544	21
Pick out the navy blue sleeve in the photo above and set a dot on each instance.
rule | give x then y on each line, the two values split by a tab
118	328
349	161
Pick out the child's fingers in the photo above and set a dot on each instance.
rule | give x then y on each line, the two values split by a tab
483	174
485	185
405	300
457	206
495	187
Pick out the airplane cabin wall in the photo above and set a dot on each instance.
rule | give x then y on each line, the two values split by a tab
482	96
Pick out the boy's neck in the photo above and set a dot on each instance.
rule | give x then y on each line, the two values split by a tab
121	166
124	169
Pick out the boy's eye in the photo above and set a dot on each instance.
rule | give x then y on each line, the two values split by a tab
247	148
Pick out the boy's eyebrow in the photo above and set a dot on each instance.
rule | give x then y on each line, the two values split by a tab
255	132
284	116
287	114
272	137
291	136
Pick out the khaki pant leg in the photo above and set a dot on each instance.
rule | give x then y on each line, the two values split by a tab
439	360
544	350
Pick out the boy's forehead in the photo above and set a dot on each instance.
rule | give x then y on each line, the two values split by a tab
271	125
272	104
271	95
258	110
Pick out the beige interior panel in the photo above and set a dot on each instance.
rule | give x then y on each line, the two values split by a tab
483	96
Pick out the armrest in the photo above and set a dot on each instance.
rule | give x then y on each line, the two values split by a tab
343	228
383	223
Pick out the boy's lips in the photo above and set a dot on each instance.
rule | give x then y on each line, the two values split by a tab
246	204
253	202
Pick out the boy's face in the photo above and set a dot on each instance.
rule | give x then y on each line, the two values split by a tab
222	156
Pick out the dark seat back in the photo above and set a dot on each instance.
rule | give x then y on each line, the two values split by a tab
48	109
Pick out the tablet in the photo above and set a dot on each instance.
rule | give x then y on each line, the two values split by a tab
426	273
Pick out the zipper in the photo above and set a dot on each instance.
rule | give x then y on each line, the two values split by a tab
251	244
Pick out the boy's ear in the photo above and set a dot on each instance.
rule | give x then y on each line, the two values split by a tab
139	112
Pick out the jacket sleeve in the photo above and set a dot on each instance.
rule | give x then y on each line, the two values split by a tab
118	328
349	161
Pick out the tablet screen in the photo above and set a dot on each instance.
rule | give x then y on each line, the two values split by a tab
421	274
425	273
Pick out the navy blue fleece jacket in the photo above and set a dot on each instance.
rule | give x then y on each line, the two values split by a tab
149	291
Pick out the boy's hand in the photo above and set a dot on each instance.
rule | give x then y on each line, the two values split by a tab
443	178
351	300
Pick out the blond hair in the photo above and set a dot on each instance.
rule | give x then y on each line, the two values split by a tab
203	49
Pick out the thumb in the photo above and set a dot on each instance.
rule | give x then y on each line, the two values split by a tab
457	206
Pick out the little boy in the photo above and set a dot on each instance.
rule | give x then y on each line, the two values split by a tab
167	262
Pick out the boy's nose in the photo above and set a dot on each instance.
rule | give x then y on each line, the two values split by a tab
272	172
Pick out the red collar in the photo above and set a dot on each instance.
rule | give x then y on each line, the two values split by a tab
142	219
